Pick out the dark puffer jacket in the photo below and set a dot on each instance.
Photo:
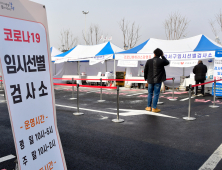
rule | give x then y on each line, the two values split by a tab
200	71
154	71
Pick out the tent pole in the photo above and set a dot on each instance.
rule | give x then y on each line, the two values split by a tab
106	64
55	68
114	71
183	71
78	69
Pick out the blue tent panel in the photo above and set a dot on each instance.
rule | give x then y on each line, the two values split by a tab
51	49
106	50
135	49
206	45
65	53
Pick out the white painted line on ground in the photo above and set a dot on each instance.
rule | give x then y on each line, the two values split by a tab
184	99
123	112
86	109
213	160
6	158
136	94
131	112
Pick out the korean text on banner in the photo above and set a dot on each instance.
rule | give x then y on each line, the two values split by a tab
26	72
185	63
218	89
100	59
169	56
125	63
218	65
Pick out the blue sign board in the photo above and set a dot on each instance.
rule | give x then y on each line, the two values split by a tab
218	89
218	54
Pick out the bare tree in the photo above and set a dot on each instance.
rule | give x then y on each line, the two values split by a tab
219	19
130	33
213	28
68	41
175	26
93	35
216	26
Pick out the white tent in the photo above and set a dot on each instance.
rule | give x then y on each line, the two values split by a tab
198	47
54	52
85	53
194	48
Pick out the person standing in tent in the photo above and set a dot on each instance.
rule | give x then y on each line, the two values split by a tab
200	71
154	74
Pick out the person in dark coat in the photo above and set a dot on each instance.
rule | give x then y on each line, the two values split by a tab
154	74
200	71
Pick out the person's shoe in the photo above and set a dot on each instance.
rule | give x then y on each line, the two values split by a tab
148	108
156	110
194	95
200	95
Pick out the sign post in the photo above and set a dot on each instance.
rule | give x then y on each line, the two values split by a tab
25	64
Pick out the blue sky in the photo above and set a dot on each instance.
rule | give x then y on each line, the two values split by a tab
149	15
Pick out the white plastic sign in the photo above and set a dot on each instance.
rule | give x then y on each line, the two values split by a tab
218	68
25	64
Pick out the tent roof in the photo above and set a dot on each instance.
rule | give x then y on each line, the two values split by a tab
88	51
54	51
65	53
196	43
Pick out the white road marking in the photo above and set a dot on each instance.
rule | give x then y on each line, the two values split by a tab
184	99
123	112
187	98
6	158
72	98
213	160
131	112
136	94
104	117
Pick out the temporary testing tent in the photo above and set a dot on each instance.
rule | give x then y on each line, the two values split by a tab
86	52
198	47
100	52
54	51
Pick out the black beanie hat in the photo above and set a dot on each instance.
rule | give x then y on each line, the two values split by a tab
158	52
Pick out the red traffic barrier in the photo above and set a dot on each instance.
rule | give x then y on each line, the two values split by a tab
98	87
106	79
205	83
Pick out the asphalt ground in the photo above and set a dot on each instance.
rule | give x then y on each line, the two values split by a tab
145	140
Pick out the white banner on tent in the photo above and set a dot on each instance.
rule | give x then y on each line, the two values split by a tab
169	56
60	60
126	63
184	63
26	72
99	59
218	68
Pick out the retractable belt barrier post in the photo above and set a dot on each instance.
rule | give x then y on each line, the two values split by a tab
101	92
214	106
189	118
118	120
173	91
78	113
73	90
